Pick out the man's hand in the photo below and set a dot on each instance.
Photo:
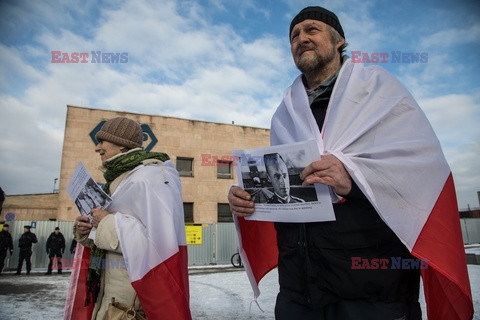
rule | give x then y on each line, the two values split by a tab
98	214
82	225
240	202
330	171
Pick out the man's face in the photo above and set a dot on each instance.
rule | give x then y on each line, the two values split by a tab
107	150
90	202
57	231
278	175
313	47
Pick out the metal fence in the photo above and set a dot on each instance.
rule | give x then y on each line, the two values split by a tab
219	242
42	230
470	230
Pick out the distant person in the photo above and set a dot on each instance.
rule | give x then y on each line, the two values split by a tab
25	244
55	249
6	245
277	173
2	199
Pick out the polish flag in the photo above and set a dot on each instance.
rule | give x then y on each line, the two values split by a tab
77	290
385	142
150	226
446	283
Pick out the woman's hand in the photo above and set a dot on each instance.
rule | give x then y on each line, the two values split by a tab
82	225
98	214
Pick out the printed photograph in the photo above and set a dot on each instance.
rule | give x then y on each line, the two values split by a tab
275	178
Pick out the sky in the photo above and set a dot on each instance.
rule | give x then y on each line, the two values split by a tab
219	61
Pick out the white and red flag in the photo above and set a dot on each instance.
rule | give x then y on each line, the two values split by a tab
375	127
149	222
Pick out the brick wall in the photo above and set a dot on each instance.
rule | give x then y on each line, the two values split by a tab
32	206
176	137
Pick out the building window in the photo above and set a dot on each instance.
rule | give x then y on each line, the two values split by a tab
224	214
185	167
188	211
224	169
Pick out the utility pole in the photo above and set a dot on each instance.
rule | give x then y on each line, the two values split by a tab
54	184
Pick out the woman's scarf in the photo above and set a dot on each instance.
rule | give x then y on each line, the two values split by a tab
115	167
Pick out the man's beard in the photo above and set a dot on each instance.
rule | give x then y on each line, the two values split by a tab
316	63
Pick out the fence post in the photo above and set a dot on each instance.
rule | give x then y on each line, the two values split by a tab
214	243
466	231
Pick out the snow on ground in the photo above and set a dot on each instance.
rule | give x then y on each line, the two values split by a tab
221	295
473	249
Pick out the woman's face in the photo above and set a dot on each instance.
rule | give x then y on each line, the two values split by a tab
107	150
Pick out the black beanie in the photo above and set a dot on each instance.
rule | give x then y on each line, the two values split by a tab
320	14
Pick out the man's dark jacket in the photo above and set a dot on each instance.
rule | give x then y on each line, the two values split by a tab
56	243
315	262
6	241
26	240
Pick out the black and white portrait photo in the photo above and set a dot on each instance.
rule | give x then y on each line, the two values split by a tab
278	180
271	176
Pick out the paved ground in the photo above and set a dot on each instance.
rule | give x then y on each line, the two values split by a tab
216	292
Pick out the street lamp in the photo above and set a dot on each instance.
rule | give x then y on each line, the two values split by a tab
54	184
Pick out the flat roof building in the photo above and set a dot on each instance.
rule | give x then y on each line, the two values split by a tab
200	150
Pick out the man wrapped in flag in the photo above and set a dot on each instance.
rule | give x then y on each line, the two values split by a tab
139	251
393	194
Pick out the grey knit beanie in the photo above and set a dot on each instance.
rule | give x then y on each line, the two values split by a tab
320	14
121	131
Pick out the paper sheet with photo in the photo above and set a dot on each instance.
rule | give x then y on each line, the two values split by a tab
86	194
272	177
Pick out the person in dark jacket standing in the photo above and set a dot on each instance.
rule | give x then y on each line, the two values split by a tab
316	275
25	244
55	249
6	244
2	199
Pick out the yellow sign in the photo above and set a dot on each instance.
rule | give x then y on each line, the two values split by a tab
194	234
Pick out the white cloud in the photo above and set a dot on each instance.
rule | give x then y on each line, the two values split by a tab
455	120
183	64
452	37
30	155
178	66
14	69
463	160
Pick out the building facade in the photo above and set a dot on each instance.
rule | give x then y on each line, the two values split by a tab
200	150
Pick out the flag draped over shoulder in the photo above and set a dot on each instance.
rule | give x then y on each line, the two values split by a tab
149	222
376	129
150	226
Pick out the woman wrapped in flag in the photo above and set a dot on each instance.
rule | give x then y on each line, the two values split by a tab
138	252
